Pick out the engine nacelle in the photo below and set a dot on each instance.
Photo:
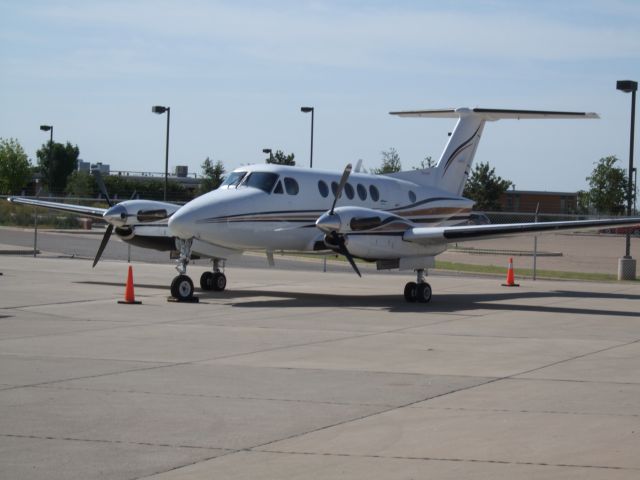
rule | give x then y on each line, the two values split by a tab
345	220
379	247
131	212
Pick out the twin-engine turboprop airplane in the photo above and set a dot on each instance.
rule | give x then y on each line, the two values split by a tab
400	220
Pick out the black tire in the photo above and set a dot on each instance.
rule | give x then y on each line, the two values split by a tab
182	287
410	292
206	281
423	293
218	282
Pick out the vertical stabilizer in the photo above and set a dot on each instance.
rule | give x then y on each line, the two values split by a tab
454	166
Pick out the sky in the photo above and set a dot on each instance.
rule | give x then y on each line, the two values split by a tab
235	74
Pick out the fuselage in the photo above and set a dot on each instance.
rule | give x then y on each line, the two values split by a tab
275	207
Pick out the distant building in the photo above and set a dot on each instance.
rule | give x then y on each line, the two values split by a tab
526	201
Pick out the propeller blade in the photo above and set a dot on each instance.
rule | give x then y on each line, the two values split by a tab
342	249
101	186
343	182
133	195
103	244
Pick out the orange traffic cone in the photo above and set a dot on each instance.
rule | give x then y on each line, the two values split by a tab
129	296
510	276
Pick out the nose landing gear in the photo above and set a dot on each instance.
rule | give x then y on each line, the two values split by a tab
182	286
418	291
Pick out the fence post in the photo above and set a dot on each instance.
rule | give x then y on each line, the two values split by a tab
535	244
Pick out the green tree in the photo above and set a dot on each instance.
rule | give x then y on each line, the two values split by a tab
15	169
213	175
427	162
81	184
485	188
390	162
281	159
56	162
608	186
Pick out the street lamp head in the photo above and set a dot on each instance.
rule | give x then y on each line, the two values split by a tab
46	128
159	109
306	109
266	150
627	86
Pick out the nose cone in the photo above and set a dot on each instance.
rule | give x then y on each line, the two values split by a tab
116	215
329	222
182	223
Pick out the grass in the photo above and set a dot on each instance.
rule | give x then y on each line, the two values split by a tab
524	272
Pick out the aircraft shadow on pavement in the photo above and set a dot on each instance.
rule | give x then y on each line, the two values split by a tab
440	303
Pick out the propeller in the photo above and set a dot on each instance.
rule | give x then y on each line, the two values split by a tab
330	223
107	233
103	244
102	187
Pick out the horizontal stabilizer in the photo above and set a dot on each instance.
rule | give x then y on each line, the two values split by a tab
495	114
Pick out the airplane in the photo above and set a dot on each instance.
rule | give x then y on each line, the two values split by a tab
400	221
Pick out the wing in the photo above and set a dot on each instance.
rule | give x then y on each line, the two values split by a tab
429	235
66	207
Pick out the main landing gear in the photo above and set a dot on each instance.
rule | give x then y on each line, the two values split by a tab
418	291
215	280
182	286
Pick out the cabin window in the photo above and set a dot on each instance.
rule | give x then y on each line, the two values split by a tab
233	180
291	186
412	196
375	194
348	189
323	188
334	188
262	180
278	188
362	192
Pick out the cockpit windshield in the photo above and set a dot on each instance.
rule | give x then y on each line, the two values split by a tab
233	180
262	180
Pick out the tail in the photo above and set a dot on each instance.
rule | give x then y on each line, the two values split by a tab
454	166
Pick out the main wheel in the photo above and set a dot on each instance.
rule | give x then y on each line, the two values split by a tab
410	292
207	281
182	287
218	281
423	292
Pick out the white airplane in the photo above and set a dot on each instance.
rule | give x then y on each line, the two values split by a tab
401	220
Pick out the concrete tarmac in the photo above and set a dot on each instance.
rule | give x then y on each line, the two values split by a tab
308	375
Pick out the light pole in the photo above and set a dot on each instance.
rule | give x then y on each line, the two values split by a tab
627	265
49	128
312	110
160	110
270	152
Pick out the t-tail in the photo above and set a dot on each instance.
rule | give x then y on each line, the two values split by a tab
453	168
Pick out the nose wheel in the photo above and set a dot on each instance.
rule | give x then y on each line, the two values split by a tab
419	291
182	286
